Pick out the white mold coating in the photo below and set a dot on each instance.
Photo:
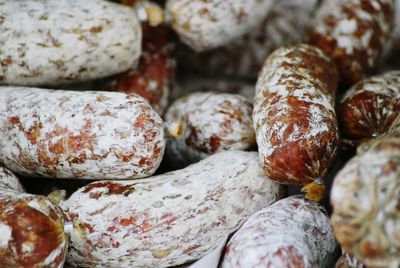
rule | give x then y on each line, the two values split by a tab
50	42
169	219
212	122
85	134
290	232
208	24
365	197
293	107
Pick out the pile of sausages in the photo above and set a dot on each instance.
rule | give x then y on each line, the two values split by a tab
190	123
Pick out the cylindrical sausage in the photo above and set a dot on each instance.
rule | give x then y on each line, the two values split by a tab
294	116
81	134
292	232
211	122
154	75
353	33
46	42
169	219
369	108
208	24
31	227
286	24
365	197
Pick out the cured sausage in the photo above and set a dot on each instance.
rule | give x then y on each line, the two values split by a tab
82	134
204	25
286	24
153	78
31	227
54	42
365	199
211	122
369	108
168	219
292	232
353	33
294	116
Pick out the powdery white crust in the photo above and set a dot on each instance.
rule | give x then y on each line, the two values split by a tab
168	219
369	108
353	33
193	83
31	227
208	24
49	42
290	233
9	182
286	24
212	122
87	134
294	116
365	197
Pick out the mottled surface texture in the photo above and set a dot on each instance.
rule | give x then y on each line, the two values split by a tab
48	42
212	122
369	108
87	134
353	33
366	197
286	24
208	24
153	78
31	228
294	116
169	219
290	233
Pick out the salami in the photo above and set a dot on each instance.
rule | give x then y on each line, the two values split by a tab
204	25
45	42
154	75
169	219
292	232
286	24
369	108
294	116
353	33
211	122
31	227
365	197
85	134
